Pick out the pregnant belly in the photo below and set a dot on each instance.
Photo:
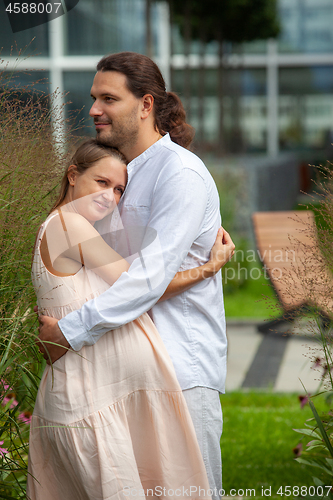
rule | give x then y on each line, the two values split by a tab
123	361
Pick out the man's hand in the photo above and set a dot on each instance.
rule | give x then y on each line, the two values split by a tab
49	335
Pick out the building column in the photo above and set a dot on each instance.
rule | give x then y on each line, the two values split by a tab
272	99
163	30
56	54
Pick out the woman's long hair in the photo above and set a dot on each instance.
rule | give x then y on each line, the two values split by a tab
87	154
144	77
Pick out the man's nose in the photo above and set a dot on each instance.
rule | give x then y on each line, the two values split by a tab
95	110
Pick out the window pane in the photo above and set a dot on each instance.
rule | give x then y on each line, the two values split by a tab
305	106
307	26
244	107
78	85
32	80
245	110
109	26
9	41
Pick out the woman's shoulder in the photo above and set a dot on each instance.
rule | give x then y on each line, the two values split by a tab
73	223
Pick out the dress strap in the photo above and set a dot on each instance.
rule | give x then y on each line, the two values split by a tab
67	237
40	232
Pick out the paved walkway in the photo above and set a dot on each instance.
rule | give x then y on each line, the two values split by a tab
272	360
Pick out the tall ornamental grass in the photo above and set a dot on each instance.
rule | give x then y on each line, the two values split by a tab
31	158
315	273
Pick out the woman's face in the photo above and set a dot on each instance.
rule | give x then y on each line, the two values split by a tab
97	191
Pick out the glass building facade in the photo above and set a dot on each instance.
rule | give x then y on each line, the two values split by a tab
306	26
277	94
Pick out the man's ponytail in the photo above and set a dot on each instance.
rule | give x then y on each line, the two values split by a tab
171	118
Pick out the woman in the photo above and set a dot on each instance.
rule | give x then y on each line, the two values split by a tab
110	421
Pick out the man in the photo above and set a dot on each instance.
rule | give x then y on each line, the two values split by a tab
171	195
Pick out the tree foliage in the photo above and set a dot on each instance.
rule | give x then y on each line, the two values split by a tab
231	20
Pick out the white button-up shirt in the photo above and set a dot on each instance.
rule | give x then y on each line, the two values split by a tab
167	221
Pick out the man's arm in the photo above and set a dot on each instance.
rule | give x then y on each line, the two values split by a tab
221	253
177	213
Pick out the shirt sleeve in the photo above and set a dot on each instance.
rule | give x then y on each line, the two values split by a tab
177	214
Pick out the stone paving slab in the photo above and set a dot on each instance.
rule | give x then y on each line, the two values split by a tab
243	342
270	361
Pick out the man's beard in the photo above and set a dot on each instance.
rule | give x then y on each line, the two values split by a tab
123	134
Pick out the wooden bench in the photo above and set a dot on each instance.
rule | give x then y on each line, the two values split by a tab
288	248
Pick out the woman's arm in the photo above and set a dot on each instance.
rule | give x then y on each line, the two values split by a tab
82	243
72	242
222	251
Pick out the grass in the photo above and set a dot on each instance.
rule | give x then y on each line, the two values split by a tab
32	157
256	299
258	440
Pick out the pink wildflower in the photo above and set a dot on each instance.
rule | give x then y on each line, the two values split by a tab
317	362
298	450
303	400
4	385
10	397
25	417
3	450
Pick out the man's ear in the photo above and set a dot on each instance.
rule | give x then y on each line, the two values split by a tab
147	105
71	174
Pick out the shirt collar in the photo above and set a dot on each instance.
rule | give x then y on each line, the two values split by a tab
151	151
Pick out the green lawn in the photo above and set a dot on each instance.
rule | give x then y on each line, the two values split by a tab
258	440
256	299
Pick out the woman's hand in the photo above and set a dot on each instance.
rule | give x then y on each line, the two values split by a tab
221	252
51	342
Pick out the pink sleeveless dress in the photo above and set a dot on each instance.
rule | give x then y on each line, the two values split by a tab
110	422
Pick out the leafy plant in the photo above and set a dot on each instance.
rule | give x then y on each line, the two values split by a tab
319	450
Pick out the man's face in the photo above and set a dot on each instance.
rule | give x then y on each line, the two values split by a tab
115	110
